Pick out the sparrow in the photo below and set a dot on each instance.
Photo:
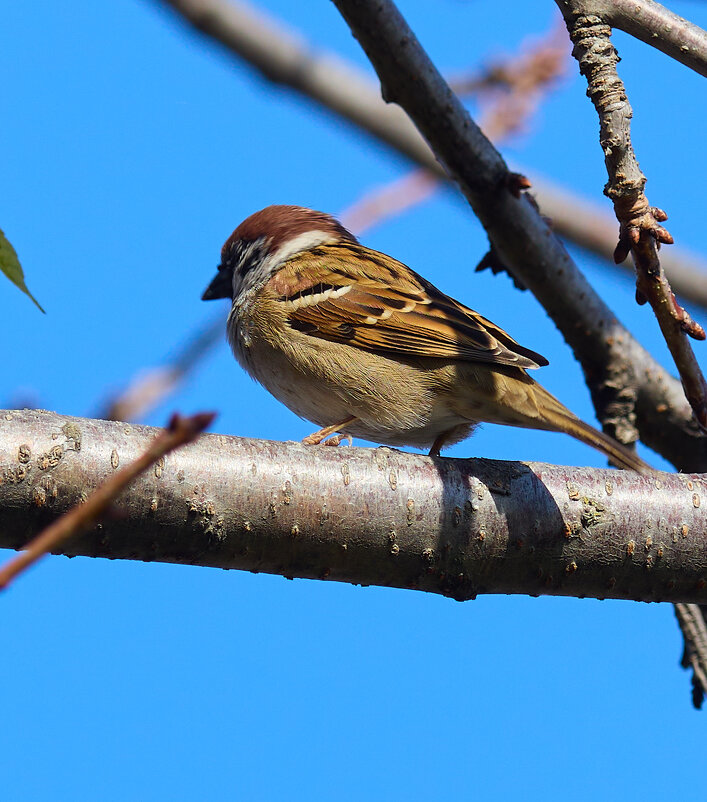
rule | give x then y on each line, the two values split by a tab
361	345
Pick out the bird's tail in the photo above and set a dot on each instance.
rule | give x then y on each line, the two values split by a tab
562	420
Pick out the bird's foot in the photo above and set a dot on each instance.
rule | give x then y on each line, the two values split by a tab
337	438
316	438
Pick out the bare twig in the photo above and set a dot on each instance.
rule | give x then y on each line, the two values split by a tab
365	515
389	200
510	90
656	26
590	226
640	231
81	517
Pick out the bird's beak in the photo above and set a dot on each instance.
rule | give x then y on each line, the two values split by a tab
221	286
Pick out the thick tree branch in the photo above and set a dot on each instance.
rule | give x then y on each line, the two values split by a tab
360	515
83	516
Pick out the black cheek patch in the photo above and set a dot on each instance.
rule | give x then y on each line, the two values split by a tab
303	326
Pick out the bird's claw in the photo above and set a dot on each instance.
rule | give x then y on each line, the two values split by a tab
337	438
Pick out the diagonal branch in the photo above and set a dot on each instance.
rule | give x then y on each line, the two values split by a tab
613	363
363	515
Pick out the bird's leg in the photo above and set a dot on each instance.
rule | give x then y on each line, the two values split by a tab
451	436
440	440
316	438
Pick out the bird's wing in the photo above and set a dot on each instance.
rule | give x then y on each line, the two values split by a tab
368	300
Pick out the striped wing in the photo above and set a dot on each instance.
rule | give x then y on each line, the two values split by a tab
368	300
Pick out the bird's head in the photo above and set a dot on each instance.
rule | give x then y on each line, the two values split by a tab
263	242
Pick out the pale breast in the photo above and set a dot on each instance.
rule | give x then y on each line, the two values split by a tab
396	403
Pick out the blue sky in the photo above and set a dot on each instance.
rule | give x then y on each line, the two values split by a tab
131	149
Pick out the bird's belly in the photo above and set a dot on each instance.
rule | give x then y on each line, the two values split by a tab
391	405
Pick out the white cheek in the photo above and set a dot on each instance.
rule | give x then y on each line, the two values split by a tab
302	242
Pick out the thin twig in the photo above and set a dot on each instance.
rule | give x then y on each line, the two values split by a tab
179	431
510	90
589	225
389	200
640	229
694	629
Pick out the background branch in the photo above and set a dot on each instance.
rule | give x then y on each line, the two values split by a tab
369	516
509	91
151	387
284	57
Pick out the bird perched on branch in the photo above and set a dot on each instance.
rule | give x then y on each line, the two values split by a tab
358	343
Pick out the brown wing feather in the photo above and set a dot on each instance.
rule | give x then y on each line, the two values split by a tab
406	316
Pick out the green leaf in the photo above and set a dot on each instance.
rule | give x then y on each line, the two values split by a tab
11	267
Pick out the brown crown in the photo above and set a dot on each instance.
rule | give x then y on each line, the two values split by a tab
282	223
